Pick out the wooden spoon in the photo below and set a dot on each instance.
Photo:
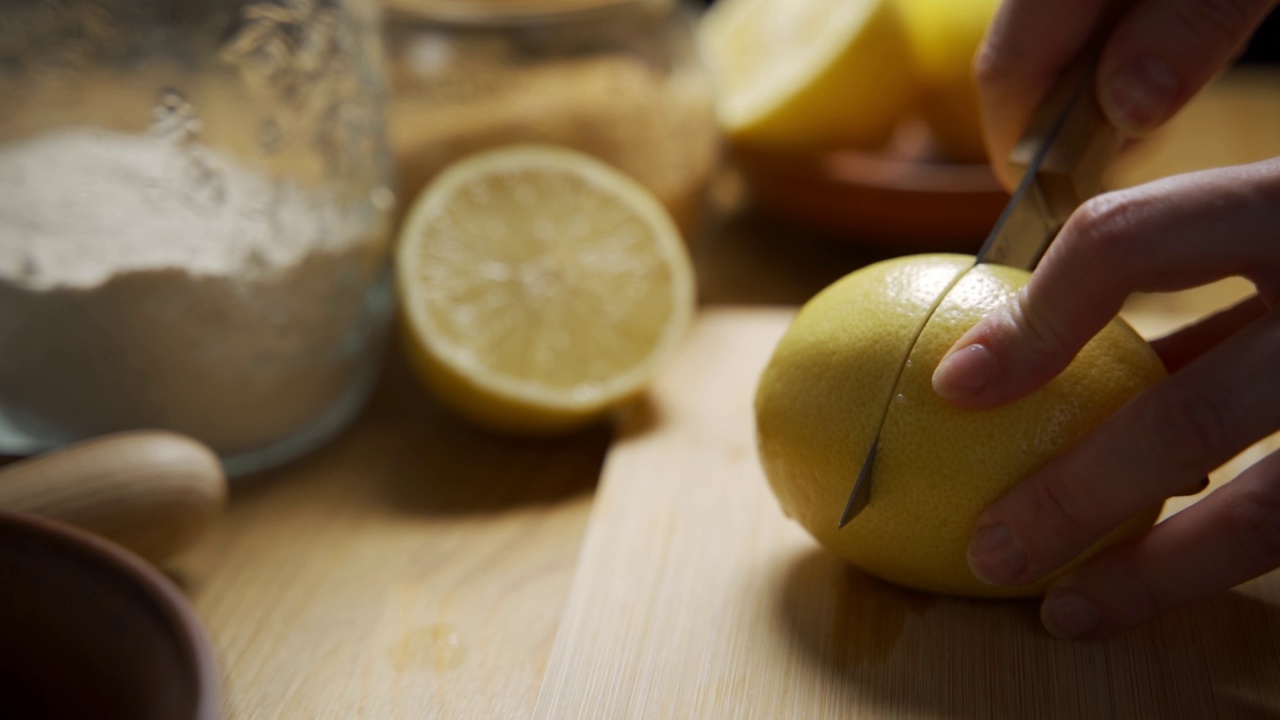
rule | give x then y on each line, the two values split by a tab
153	492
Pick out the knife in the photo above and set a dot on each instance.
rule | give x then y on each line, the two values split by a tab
1061	158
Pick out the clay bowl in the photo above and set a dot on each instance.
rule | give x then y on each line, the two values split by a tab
87	630
902	197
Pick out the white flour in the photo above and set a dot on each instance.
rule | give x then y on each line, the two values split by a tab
145	284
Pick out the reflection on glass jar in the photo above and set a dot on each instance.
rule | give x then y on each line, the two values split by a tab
619	79
194	216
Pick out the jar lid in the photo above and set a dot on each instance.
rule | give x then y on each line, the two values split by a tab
504	10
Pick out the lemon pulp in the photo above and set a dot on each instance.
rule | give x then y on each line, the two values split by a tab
540	287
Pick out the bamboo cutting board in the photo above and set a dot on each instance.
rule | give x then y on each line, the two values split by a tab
695	598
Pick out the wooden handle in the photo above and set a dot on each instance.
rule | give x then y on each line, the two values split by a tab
150	491
1086	141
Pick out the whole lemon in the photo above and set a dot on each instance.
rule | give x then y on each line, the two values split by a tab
838	376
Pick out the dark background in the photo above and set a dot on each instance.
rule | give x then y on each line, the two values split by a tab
1266	43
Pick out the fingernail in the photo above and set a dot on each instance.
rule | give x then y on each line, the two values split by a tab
965	372
1069	615
995	556
1138	95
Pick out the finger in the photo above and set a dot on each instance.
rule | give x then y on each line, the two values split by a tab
1026	47
1167	235
1231	536
1164	440
1164	51
1179	348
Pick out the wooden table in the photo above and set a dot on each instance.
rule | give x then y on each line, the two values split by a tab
418	568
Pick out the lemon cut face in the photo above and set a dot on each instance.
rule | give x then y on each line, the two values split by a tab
540	287
808	74
821	402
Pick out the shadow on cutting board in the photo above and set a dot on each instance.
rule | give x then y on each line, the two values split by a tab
883	651
409	455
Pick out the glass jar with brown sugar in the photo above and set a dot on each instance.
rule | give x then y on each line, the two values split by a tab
618	79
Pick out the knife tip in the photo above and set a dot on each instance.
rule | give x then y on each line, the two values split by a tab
861	494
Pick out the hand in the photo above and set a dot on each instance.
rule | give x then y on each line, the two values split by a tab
1160	53
1223	395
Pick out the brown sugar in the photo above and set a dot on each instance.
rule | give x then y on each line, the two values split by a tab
654	121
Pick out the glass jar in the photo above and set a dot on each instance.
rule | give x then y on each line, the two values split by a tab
195	202
618	79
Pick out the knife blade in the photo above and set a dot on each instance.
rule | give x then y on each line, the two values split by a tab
1061	159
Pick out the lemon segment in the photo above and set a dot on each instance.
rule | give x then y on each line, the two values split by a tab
820	402
808	74
540	287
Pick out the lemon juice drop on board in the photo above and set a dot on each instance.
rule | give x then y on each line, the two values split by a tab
822	397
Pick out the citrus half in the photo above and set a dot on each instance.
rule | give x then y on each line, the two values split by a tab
811	74
539	287
944	35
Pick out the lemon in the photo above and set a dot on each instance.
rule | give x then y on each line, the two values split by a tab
539	287
825	392
943	37
808	74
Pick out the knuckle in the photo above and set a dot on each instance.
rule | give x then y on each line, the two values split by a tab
991	67
1223	23
1065	511
1255	515
1261	187
1189	428
1041	335
1101	227
1142	595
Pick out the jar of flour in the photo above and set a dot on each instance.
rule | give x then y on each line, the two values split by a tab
194	220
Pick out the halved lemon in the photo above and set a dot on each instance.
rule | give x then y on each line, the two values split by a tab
944	35
540	287
809	74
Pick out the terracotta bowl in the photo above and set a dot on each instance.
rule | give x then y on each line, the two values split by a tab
902	197
88	630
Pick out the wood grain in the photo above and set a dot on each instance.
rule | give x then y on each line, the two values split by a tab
413	569
696	598
416	569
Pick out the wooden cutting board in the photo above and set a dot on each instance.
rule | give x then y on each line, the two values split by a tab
695	598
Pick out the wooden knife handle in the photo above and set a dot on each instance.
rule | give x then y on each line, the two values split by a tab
1072	169
152	492
1087	142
